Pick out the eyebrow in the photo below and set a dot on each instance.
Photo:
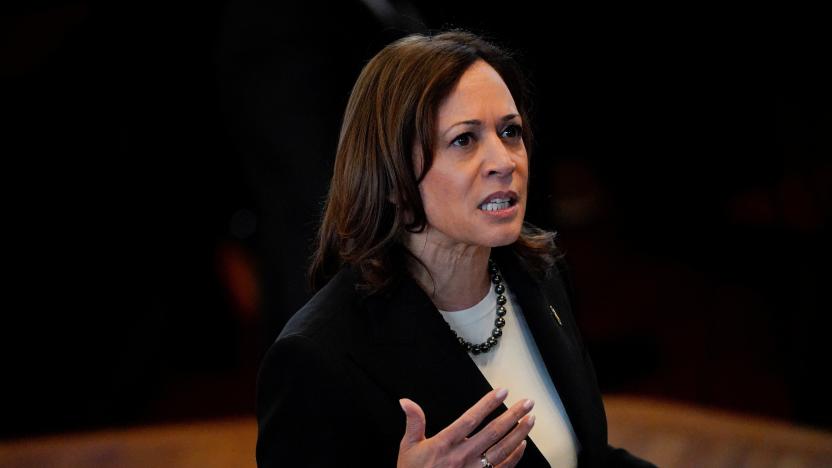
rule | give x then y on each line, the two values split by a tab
478	122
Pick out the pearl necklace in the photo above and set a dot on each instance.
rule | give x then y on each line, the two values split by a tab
499	322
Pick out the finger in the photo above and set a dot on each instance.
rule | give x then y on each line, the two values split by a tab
465	424
502	450
414	431
515	456
496	429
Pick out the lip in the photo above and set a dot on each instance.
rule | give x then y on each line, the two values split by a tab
507	194
509	212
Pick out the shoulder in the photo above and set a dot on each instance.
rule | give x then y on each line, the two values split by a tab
551	268
319	336
328	313
309	392
324	335
310	354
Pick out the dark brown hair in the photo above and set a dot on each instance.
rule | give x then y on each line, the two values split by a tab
374	196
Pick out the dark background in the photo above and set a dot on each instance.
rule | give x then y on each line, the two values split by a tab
166	163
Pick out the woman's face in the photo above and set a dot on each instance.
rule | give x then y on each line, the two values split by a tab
475	191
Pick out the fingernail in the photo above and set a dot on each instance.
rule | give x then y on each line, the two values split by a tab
531	420
501	393
523	444
528	404
401	403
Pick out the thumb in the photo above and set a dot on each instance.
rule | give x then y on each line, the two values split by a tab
415	426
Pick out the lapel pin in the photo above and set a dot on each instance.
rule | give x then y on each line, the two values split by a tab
555	313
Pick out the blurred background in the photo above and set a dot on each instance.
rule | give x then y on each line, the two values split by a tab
166	164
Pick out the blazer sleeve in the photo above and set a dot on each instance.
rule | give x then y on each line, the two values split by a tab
306	414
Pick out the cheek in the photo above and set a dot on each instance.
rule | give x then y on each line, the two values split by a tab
440	193
522	172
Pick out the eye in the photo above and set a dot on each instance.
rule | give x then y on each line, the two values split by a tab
513	131
463	140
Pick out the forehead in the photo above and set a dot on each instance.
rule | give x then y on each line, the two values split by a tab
479	93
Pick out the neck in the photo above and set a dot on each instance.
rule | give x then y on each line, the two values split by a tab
457	274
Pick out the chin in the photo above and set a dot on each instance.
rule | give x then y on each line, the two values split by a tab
506	237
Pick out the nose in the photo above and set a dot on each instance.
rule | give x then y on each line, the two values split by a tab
498	158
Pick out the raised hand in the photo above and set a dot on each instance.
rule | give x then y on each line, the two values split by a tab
502	441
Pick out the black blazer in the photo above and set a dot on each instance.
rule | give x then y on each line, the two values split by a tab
329	386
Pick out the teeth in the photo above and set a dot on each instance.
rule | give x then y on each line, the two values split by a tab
496	204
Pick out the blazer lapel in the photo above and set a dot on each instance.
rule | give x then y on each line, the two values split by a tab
413	354
556	337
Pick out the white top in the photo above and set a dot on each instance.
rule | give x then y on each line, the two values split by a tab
515	364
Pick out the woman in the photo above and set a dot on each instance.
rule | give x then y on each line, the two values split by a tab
444	318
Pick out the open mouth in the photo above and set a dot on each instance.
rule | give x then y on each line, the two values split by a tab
498	204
